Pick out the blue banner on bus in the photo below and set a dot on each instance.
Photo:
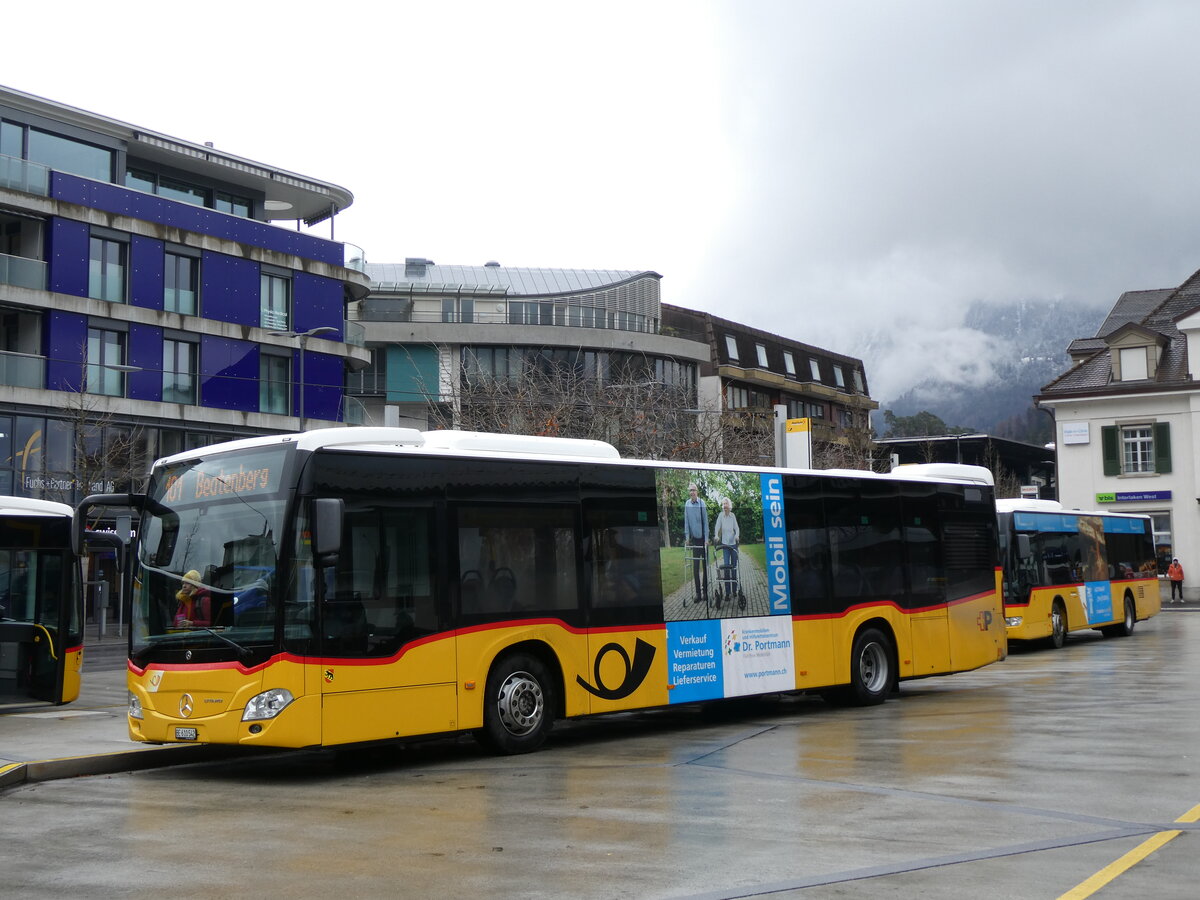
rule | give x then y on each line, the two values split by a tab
775	538
1045	522
1124	526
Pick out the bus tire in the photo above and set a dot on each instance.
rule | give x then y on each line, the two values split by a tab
1125	629
872	671
518	710
1058	625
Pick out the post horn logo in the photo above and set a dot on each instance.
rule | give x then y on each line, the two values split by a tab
635	671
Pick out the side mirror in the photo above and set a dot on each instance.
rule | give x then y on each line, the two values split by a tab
327	514
1023	548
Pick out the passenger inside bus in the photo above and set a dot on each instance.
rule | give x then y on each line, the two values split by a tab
195	603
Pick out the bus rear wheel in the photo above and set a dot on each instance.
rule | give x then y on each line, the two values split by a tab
872	672
1125	629
518	706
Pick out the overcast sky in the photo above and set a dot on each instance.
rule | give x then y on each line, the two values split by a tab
850	173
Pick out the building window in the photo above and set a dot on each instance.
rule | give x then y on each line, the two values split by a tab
1133	364
67	155
736	397
232	204
461	310
760	353
106	270
1163	541
858	382
789	363
1139	449
274	301
180	280
173	189
105	358
814	369
731	347
839	377
179	372
274	383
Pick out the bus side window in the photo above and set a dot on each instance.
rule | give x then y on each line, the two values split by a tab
517	560
382	594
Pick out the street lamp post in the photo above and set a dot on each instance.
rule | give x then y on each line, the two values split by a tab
303	336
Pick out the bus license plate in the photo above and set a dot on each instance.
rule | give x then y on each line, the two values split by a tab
185	734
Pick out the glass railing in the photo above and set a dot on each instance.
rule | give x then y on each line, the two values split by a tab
354	412
356	258
20	271
356	334
19	175
22	370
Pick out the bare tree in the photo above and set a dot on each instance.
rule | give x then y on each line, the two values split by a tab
106	456
1008	485
642	418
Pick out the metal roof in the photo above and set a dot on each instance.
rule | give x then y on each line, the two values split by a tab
425	276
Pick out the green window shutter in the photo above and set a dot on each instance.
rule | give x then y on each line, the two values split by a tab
1110	447
1162	447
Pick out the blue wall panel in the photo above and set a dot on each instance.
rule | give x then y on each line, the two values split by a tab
412	373
67	256
139	205
228	374
229	292
145	350
323	375
317	301
146	272
65	346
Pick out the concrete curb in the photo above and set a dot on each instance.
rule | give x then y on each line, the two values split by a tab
19	773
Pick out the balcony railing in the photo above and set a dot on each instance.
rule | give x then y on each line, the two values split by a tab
355	334
353	412
356	258
20	271
22	370
19	175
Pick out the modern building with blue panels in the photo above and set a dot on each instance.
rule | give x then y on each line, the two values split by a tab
149	302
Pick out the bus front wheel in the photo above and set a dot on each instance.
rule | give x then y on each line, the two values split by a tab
1058	625
872	672
518	706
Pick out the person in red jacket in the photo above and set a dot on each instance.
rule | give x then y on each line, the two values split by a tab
195	603
1175	573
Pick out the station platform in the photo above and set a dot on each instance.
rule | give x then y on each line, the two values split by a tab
40	742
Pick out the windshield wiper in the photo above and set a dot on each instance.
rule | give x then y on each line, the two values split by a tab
244	653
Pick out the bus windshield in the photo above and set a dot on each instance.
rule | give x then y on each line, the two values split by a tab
208	554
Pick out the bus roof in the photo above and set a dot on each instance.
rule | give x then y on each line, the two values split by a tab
1053	506
29	506
381	439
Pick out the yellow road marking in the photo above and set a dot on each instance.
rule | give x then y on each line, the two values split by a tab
1129	860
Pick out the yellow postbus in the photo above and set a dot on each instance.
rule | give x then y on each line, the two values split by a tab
1069	570
41	605
369	584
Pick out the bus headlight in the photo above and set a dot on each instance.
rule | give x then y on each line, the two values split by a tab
1013	621
135	706
267	705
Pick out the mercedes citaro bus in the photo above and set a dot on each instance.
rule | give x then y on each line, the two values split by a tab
368	584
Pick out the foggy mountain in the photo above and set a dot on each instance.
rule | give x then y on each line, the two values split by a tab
1026	349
